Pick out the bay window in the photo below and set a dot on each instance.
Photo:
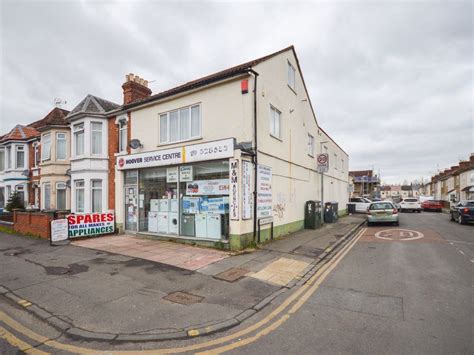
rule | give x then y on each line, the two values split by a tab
46	147
96	195
60	146
47	196
2	158
78	139
96	138
20	157
79	187
9	157
180	125
60	195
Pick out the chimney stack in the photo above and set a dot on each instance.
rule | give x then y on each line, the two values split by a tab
135	89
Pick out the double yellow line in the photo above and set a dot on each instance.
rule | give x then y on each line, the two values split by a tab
300	296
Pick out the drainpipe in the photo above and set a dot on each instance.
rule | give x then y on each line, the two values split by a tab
255	156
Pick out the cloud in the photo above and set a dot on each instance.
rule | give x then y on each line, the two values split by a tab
391	82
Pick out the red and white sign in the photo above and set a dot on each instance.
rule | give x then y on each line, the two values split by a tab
323	162
83	225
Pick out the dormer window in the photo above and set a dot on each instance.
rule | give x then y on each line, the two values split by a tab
46	151
123	133
20	157
291	76
79	139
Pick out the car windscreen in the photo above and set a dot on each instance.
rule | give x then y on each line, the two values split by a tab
381	206
470	204
411	200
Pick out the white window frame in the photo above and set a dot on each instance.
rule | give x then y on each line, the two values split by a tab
274	110
310	145
46	153
58	134
291	76
60	185
100	188
168	132
101	135
123	129
20	148
83	188
46	184
3	155
77	129
8	151
36	155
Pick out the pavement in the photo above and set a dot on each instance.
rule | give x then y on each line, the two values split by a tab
126	288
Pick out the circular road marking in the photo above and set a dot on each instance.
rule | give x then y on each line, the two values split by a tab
399	234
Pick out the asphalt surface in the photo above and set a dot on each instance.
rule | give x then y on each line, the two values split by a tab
386	295
407	297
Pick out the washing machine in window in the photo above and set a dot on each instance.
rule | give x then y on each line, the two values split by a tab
164	205
153	222
154	205
187	225
214	226
163	222
200	220
173	223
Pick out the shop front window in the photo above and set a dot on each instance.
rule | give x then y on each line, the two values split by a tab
188	200
158	201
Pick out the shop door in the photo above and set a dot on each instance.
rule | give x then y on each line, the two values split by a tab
131	208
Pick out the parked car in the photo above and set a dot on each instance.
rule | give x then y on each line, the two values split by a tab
462	212
361	204
382	212
410	204
432	205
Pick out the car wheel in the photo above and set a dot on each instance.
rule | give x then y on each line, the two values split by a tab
397	223
419	211
460	220
369	224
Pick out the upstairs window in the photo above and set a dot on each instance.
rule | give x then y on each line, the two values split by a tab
275	122
9	157
123	133
79	139
2	159
20	157
46	151
60	146
291	76
310	145
96	138
180	125
37	155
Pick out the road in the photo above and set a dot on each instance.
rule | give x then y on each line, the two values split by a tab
380	294
412	296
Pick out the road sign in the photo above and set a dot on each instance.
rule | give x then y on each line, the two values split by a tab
323	162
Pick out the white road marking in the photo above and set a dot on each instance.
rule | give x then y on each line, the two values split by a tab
399	234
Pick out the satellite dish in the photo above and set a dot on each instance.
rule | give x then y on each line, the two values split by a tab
25	172
68	172
68	183
135	144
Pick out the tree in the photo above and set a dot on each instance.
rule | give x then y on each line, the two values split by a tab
15	201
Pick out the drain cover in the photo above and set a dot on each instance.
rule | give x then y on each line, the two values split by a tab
307	251
183	298
231	275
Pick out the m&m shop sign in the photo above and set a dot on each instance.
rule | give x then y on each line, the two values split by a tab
90	224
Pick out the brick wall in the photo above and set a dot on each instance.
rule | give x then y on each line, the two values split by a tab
35	223
112	150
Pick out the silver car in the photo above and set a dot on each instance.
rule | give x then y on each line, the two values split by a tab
382	212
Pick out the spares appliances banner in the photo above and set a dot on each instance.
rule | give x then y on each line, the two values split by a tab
83	225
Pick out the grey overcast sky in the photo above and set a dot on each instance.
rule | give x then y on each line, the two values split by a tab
391	82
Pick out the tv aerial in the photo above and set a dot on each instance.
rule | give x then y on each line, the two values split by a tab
59	102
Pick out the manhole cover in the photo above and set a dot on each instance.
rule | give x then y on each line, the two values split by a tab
183	298
232	275
307	251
